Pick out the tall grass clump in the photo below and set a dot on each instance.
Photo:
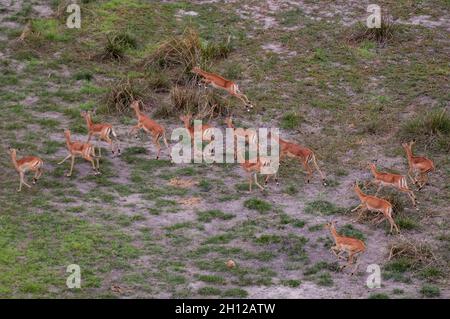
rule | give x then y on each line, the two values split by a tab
432	128
186	50
203	104
115	46
381	35
120	95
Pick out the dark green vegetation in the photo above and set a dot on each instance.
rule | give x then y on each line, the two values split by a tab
135	235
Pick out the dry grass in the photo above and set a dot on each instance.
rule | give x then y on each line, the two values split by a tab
121	94
183	183
418	253
203	104
184	50
381	35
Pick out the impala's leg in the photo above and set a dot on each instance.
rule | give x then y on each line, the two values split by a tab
36	175
134	128
158	145
250	181
357	207
266	180
410	175
313	158
22	181
256	182
89	137
423	180
393	224
355	268
378	189
67	157
308	170
110	142
71	166
97	160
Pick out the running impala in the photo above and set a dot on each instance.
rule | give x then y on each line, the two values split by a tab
305	156
25	164
103	131
221	83
80	149
418	165
351	246
392	180
150	126
375	204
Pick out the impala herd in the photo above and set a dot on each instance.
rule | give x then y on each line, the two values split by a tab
419	167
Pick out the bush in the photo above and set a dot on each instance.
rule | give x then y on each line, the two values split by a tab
187	50
121	94
381	35
432	128
188	99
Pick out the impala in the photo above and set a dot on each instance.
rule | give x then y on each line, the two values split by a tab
150	126
375	204
253	168
221	83
25	164
104	131
352	246
393	180
80	149
305	155
418	165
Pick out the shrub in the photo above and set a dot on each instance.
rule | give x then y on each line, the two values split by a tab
121	94
432	128
381	35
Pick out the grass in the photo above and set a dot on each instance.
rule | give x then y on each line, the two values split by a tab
429	291
209	215
339	99
258	205
379	296
290	121
322	207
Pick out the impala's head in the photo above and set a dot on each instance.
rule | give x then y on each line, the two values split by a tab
371	165
135	105
409	145
196	69
67	133
12	151
330	225
186	118
84	114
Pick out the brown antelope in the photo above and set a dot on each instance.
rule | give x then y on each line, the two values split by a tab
221	83
104	132
375	204
203	128
80	149
305	155
418	165
253	168
397	181
352	246
150	126
25	164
